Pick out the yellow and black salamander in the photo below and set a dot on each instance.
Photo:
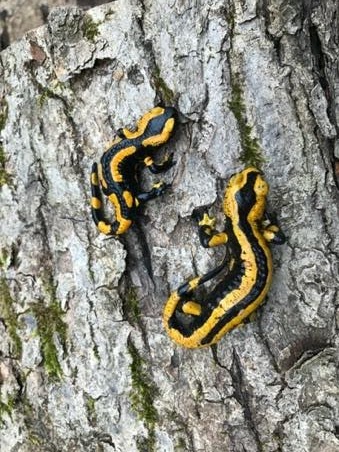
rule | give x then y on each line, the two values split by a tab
116	173
248	230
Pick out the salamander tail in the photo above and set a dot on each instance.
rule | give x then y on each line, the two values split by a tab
97	207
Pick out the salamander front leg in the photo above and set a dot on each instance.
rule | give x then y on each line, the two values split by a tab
158	189
208	235
157	168
271	230
121	133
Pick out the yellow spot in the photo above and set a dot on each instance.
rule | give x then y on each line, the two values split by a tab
124	225
148	161
137	203
162	137
104	227
127	195
95	203
192	308
218	239
94	179
207	221
117	160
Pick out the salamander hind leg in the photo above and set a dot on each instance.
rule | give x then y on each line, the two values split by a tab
158	189
157	168
121	133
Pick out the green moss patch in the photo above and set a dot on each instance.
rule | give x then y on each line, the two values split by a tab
6	408
162	88
181	445
251	154
54	90
46	94
3	114
49	326
142	397
131	305
90	408
3	257
90	28
10	318
4	176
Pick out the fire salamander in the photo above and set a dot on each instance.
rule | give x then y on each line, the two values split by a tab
248	230
116	173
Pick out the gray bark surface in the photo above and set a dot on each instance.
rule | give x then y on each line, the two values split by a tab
85	364
19	16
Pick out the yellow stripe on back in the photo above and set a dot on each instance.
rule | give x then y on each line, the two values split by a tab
116	161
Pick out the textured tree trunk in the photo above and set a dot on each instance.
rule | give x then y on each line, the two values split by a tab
85	364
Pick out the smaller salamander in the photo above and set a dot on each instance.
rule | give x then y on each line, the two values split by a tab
116	174
248	266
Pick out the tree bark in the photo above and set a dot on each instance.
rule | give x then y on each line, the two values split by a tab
85	364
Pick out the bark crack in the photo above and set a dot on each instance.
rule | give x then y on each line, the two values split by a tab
242	396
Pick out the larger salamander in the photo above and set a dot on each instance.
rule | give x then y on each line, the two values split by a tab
248	270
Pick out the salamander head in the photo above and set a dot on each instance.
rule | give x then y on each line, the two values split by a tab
246	192
160	125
